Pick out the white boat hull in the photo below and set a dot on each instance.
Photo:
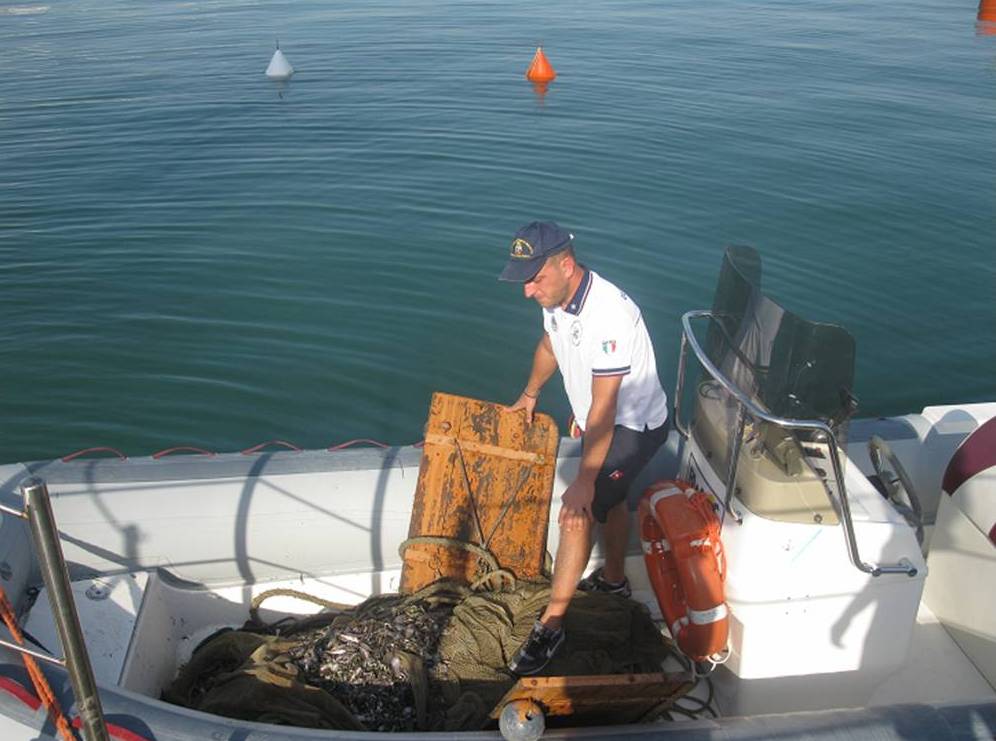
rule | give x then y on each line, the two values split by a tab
182	545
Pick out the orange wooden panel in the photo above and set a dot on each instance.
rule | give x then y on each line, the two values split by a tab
626	697
486	478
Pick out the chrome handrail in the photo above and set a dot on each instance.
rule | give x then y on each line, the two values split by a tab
45	534
750	408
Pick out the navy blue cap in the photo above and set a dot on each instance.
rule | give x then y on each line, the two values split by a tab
532	244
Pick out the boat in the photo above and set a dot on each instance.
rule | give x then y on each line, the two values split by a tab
859	588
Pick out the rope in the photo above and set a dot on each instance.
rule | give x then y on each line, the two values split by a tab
282	443
495	570
440	592
121	456
247	451
492	568
523	477
260	598
444	591
349	443
34	671
470	494
182	449
698	706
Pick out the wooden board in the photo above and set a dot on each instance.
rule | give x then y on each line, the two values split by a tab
486	478
623	698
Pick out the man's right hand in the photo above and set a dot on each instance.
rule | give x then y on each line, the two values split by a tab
528	403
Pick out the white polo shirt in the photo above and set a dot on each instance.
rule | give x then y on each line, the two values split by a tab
601	333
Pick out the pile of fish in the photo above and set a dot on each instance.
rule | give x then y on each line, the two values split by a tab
377	662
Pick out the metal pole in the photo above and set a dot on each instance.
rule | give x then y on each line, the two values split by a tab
731	476
679	387
60	595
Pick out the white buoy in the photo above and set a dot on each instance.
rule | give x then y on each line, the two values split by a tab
280	68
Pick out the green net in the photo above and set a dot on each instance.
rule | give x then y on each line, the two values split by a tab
435	660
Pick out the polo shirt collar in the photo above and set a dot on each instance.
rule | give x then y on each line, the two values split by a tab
576	303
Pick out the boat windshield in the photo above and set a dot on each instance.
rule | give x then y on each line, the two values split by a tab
791	367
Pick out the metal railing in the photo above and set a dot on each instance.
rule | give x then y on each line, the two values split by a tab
749	408
45	535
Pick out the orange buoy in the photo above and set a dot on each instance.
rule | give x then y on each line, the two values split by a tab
540	69
986	20
686	565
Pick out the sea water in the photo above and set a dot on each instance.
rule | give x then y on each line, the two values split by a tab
193	254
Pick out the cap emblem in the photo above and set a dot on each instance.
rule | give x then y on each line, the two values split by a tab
521	249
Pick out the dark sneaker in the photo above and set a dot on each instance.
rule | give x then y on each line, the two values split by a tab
537	650
595	583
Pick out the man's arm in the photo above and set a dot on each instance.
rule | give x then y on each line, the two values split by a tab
544	364
598	431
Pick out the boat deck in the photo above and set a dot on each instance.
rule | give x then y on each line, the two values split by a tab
936	672
135	642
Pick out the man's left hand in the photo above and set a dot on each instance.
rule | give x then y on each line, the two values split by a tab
575	512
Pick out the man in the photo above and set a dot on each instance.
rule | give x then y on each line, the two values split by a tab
596	336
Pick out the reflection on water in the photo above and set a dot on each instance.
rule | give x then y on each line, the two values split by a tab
24	10
541	89
282	88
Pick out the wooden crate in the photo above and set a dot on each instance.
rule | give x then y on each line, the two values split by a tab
486	477
600	698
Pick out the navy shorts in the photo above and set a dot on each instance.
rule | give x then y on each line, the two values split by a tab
629	453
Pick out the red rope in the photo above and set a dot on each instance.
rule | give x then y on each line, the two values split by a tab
349	443
34	671
84	451
283	443
248	451
186	448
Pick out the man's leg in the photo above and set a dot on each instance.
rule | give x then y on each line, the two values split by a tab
615	538
572	557
548	633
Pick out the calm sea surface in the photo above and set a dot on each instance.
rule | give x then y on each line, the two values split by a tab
192	254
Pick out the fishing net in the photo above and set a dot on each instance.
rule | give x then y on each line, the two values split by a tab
434	660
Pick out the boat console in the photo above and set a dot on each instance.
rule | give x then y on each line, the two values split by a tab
824	575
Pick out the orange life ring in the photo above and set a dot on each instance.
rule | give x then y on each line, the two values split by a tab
685	562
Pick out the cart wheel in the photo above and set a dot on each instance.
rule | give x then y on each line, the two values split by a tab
521	720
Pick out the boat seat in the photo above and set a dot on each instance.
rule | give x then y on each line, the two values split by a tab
108	608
